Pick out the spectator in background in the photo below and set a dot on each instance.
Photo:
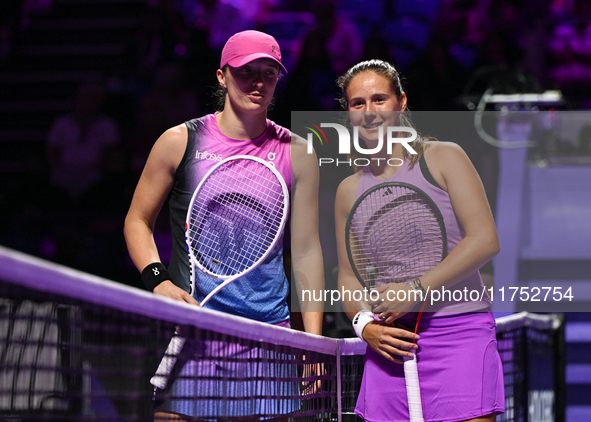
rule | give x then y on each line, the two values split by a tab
498	48
329	48
88	173
78	143
460	24
376	46
344	41
427	74
569	46
147	43
219	19
31	8
570	49
168	105
163	36
10	11
254	12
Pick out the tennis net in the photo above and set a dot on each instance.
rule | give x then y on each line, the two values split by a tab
532	349
75	347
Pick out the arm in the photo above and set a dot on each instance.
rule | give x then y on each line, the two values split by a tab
306	253
382	338
454	172
151	192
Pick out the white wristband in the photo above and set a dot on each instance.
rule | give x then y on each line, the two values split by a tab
361	319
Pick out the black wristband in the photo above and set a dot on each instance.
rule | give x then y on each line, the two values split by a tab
154	274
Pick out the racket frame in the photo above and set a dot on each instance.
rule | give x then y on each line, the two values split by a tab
368	192
195	264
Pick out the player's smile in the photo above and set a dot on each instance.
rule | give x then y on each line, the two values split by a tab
373	125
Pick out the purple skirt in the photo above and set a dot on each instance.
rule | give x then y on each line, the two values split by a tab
460	373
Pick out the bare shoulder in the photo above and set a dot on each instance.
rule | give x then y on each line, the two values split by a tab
350	182
442	156
297	139
298	145
174	137
346	192
447	160
302	160
438	150
171	145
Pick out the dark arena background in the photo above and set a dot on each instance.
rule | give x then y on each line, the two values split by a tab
138	67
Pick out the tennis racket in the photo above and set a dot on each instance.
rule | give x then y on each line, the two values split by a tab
235	219
395	234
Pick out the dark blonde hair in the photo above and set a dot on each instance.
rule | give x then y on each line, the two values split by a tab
388	71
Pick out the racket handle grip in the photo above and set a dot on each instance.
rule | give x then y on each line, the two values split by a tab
413	392
160	378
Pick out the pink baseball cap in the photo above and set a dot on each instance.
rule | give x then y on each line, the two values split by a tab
247	46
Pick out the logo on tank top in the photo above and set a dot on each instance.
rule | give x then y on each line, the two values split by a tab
270	157
208	156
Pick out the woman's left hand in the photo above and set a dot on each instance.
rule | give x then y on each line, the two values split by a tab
394	301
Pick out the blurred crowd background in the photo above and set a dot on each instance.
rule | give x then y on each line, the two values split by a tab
87	86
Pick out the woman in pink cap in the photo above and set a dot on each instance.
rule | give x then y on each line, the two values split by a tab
249	70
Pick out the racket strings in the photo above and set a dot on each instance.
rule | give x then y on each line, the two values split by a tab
232	240
236	217
395	236
259	179
223	241
235	226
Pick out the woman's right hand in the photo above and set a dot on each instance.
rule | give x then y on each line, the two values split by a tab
389	342
168	289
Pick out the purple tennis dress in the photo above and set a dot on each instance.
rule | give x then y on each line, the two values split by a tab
460	371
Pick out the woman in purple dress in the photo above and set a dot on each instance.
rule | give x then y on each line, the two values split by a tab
459	367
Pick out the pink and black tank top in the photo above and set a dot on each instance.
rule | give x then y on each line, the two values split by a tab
261	294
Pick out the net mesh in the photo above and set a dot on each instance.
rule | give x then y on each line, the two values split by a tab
74	347
531	348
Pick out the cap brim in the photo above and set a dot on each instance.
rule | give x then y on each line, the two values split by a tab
241	61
